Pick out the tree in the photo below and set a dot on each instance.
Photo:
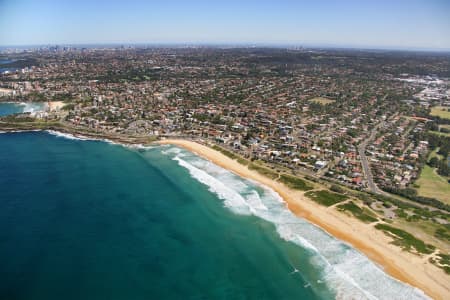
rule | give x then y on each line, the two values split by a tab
434	161
337	189
443	168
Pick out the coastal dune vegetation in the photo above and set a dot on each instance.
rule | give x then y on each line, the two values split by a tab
325	197
362	214
406	240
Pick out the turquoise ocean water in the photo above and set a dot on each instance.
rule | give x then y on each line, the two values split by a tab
84	219
9	108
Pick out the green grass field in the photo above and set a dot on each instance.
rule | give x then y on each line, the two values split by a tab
441	112
432	185
321	100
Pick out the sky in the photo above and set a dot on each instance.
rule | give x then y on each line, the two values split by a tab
398	24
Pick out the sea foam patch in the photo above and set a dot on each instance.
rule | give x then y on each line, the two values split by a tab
346	271
68	135
231	198
29	107
20	131
85	138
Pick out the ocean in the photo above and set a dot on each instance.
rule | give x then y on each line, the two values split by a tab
6	61
9	108
84	219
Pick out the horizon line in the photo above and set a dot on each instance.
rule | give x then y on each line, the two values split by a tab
236	45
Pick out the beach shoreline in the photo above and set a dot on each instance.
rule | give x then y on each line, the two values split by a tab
401	265
55	105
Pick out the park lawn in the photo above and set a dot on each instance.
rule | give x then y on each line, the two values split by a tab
440	111
321	100
432	185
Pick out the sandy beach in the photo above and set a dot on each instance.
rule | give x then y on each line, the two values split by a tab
402	265
5	92
55	105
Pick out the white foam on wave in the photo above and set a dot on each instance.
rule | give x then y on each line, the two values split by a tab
172	150
32	107
231	198
349	273
68	135
139	146
254	201
298	239
20	131
85	138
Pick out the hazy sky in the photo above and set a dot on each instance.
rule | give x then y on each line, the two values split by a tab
357	23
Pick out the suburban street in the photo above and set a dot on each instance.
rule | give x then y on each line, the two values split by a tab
365	163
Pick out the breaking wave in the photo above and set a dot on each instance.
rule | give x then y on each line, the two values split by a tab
29	107
85	138
68	136
20	131
346	271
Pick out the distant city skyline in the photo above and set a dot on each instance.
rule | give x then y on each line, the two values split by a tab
414	24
